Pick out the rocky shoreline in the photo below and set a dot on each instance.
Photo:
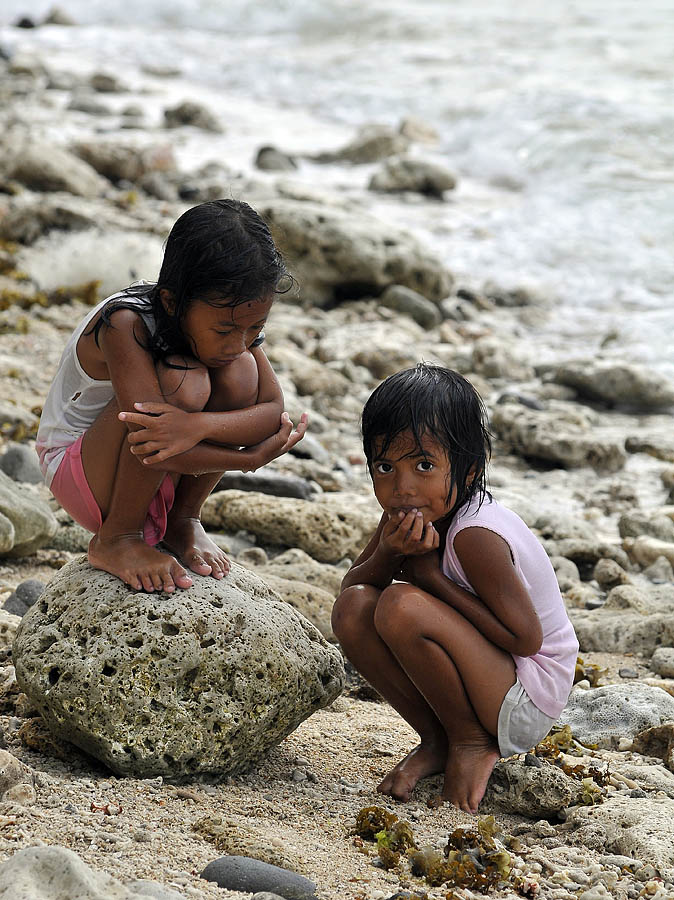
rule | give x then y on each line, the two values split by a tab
89	187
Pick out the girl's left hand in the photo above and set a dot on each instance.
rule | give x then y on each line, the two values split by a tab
165	431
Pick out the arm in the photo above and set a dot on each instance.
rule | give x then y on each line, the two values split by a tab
394	539
252	424
502	610
167	431
133	374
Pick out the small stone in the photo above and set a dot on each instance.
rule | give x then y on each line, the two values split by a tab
241	873
531	760
273	160
628	673
638	794
25	595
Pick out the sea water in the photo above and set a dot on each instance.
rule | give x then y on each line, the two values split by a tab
556	118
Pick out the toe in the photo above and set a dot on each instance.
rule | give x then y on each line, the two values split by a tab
146	581
199	565
181	578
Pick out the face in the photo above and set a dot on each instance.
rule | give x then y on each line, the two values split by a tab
408	476
221	334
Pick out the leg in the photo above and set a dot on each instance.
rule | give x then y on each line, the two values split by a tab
233	387
462	676
353	619
123	489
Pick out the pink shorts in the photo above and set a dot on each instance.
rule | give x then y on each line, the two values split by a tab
71	489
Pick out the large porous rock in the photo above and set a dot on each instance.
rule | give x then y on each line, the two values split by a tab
640	828
26	522
201	682
53	873
43	166
312	602
565	437
604	715
634	619
616	383
407	173
339	255
532	791
326	531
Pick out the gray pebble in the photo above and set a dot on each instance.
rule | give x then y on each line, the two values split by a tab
241	873
20	600
628	673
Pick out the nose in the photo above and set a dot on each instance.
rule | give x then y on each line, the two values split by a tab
403	487
235	343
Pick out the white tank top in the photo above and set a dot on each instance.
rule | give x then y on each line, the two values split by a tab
75	399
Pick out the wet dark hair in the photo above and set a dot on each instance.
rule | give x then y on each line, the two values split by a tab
443	404
221	252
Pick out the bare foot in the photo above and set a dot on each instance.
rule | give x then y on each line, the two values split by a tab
467	773
140	566
188	540
426	759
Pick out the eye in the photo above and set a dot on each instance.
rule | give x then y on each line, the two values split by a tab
425	466
383	468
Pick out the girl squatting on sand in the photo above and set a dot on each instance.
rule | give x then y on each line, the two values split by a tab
452	611
161	389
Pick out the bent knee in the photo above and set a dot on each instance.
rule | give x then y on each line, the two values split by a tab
353	611
399	611
185	383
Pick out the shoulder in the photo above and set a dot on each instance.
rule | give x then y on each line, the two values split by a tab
475	545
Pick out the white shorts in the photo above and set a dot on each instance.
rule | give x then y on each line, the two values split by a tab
521	724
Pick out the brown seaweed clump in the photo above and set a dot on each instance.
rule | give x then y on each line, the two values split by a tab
393	835
588	672
555	748
473	858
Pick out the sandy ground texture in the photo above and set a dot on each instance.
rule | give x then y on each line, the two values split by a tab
296	809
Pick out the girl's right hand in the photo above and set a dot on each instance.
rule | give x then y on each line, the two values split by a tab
276	445
406	535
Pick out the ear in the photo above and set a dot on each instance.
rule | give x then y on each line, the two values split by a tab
168	300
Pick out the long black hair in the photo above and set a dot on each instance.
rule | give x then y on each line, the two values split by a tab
220	251
441	403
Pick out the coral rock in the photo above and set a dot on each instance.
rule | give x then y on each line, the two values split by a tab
200	682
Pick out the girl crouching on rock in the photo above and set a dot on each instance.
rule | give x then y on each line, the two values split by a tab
161	389
452	611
